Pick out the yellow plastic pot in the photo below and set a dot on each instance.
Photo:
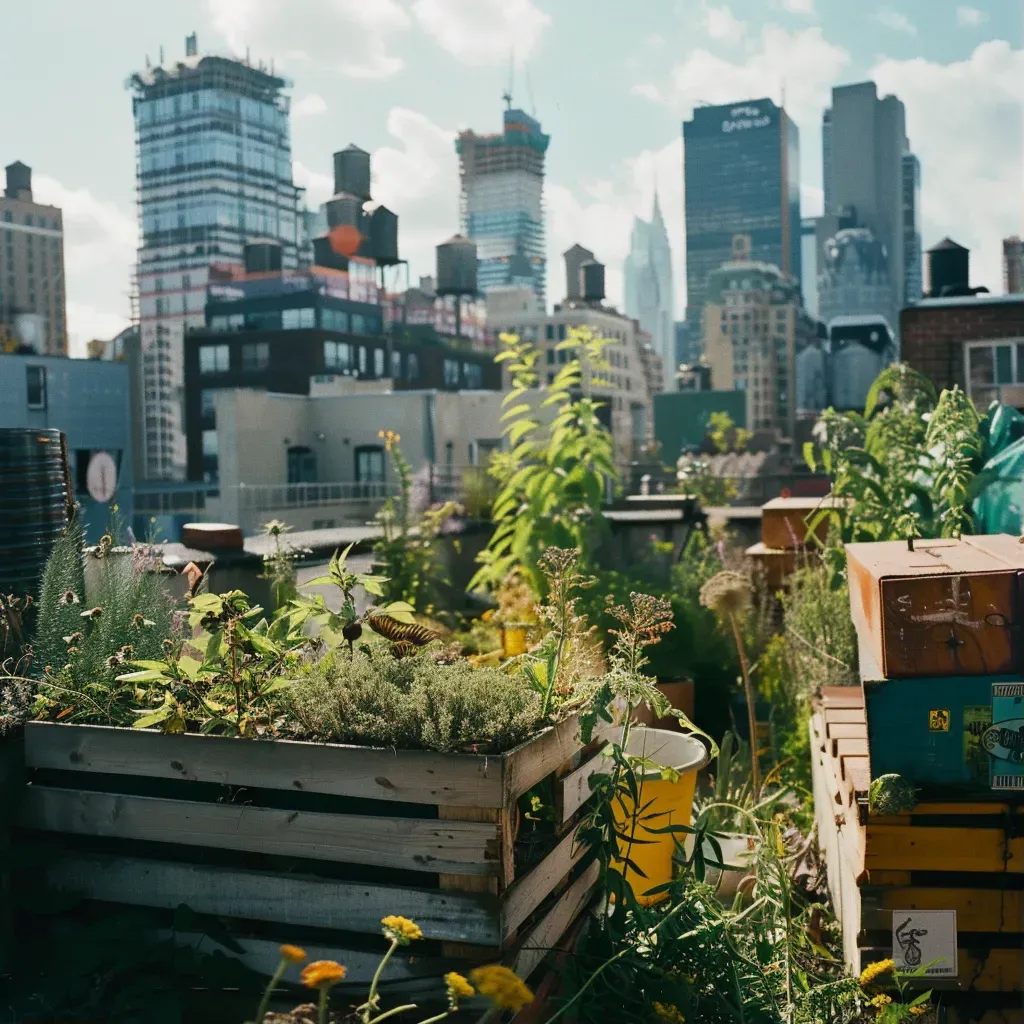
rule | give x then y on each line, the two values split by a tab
672	802
513	641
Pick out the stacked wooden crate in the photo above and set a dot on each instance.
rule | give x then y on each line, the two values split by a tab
785	535
941	704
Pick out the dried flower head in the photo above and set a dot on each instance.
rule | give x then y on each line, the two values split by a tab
401	930
502	986
293	954
73	638
275	528
669	1012
726	593
322	974
194	575
68	597
647	618
458	988
92	613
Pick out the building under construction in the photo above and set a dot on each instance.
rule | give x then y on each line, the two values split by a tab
502	201
214	171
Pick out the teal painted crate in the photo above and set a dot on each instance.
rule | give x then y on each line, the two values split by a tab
959	735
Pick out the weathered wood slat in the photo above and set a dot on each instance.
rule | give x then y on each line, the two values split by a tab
527	765
413	776
470	848
543	938
925	848
526	895
284	899
572	792
977	910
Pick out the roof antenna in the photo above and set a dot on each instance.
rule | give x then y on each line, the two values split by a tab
507	94
529	92
161	55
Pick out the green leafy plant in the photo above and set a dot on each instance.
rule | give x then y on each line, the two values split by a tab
881	978
279	564
553	479
407	552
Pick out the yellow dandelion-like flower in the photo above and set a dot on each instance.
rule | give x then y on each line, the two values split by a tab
881	1001
401	930
458	988
669	1012
502	986
918	1011
322	974
293	954
875	970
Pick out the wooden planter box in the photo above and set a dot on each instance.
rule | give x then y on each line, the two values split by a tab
12	771
315	843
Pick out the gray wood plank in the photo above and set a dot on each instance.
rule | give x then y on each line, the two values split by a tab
469	848
527	894
574	790
414	776
545	936
536	760
283	899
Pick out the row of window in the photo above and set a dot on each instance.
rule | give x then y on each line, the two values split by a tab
33	220
990	364
297	319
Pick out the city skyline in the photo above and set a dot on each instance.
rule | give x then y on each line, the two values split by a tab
958	72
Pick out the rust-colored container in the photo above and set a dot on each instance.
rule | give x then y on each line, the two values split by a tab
784	522
942	608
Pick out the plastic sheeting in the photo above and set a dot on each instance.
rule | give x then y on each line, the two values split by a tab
998	505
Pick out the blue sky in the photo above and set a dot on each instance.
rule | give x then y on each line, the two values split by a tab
611	81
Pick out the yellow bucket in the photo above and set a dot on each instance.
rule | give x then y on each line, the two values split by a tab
671	801
513	641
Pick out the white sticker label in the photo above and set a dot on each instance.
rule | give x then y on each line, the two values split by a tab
920	937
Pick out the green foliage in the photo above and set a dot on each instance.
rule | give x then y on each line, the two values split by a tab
696	477
891	794
408	552
907	464
725	436
60	600
552	480
279	565
412	703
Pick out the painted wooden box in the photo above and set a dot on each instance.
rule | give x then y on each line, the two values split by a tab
943	608
315	843
784	522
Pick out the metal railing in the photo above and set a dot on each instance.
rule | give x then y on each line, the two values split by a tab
261	497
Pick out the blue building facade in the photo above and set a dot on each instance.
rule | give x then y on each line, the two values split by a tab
90	401
742	176
502	202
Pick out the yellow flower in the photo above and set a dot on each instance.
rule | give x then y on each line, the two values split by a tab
918	1011
458	988
401	930
503	987
487	615
881	1000
878	968
322	974
293	954
669	1012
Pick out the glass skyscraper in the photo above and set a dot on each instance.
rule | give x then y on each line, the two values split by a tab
648	286
913	285
502	202
742	175
213	160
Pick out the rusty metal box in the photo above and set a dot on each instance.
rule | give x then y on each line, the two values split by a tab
784	522
942	608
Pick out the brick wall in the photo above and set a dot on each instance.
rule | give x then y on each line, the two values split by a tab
933	336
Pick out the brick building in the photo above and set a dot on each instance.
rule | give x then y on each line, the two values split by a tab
975	341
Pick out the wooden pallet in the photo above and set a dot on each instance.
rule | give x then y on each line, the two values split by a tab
314	843
966	856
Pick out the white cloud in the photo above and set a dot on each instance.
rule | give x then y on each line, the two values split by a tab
353	36
480	32
722	25
100	240
970	191
896	20
648	90
812	201
798	6
804	61
319	187
309	106
970	17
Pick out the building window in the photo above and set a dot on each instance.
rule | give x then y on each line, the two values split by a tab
561	332
256	356
369	464
473	374
412	367
211	456
362	360
214	358
334	320
549	332
207	409
337	355
551	356
301	465
296	319
359	324
35	386
378	361
451	373
396	365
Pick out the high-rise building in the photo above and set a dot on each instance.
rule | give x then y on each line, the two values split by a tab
755	327
913	274
1013	265
213	158
742	173
809	263
32	305
502	201
864	142
649	293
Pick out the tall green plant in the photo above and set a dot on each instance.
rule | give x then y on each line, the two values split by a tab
60	600
552	479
